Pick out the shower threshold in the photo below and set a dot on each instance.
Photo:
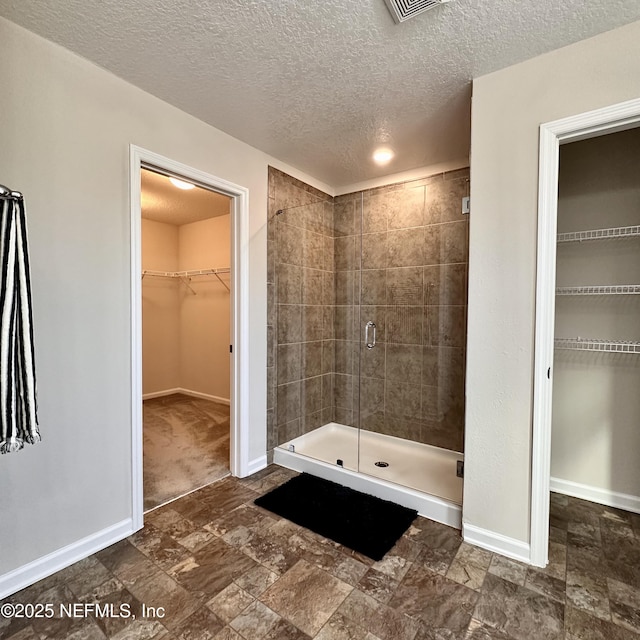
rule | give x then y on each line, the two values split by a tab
413	474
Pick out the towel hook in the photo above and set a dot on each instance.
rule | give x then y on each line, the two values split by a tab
5	192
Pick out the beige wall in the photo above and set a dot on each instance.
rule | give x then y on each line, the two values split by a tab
160	308
186	329
596	405
205	314
67	126
508	108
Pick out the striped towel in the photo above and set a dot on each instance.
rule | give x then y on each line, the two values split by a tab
18	409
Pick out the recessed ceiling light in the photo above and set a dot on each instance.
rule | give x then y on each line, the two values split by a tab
383	155
181	184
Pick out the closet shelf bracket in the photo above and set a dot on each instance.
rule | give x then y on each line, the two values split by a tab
185	281
222	282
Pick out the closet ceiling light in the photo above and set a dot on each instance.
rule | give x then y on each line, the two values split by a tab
181	184
383	156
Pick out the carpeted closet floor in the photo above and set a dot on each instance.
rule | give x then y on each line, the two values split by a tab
186	446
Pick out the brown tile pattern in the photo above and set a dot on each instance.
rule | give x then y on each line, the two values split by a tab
414	287
255	576
317	585
396	255
300	323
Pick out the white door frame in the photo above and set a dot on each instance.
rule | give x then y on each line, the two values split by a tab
239	417
619	117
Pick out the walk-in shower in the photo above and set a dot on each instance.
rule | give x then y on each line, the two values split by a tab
367	331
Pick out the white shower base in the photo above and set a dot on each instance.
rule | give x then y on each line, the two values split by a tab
419	476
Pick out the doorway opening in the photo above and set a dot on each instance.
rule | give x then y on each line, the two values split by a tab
186	314
221	287
551	275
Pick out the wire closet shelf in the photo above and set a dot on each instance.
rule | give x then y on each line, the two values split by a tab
186	276
599	290
589	344
606	346
600	234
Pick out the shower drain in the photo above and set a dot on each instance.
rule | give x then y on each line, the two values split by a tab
381	463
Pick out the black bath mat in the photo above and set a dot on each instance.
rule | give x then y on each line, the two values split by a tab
356	520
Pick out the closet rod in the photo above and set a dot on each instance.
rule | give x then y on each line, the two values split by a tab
5	192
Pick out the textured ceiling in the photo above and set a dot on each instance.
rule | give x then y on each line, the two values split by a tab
163	202
318	84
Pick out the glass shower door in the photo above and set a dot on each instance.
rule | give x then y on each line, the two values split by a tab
347	257
312	324
412	334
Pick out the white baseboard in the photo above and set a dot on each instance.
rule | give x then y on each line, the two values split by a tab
205	396
496	542
55	561
186	392
596	494
258	464
160	394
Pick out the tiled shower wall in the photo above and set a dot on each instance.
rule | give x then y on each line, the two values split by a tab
413	285
402	252
300	309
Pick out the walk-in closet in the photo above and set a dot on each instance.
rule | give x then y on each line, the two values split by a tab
595	452
185	336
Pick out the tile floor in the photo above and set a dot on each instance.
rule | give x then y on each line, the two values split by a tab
223	569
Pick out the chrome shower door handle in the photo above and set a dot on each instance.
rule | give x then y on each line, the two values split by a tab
372	343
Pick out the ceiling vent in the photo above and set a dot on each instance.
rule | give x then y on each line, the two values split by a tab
402	10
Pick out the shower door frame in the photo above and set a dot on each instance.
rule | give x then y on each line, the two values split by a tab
239	462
